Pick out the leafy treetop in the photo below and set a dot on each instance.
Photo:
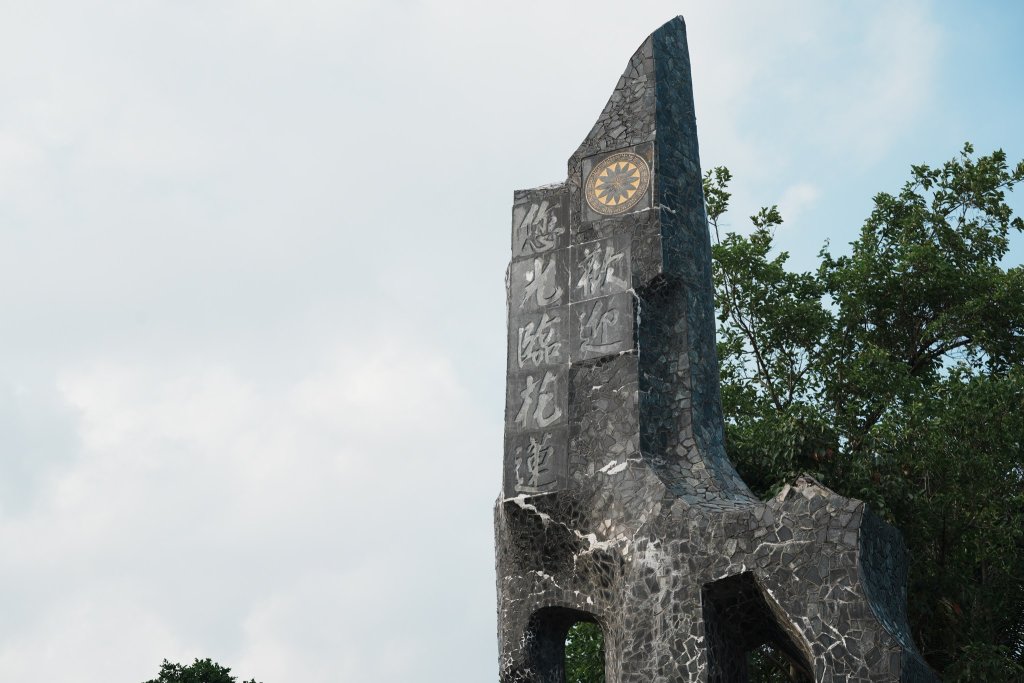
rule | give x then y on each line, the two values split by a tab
200	671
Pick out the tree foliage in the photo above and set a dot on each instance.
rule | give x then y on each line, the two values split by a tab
584	654
895	374
200	671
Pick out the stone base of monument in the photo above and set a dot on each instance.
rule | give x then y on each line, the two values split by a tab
619	504
689	593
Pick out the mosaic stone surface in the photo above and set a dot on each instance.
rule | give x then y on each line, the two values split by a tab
619	504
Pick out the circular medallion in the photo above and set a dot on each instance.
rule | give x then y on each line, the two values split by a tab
617	183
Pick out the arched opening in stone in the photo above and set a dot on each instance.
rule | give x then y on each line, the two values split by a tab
565	642
748	637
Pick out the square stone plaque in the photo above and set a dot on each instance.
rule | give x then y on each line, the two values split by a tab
536	462
537	400
600	267
539	282
540	221
538	339
601	327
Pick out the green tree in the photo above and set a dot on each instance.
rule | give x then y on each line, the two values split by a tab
200	671
895	374
584	654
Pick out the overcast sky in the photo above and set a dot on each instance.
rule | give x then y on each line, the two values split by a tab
252	315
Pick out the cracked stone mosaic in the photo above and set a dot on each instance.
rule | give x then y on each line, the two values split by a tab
619	504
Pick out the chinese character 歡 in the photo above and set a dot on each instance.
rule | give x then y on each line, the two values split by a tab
599	270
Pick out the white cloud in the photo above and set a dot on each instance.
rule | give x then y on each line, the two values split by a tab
796	199
234	515
99	635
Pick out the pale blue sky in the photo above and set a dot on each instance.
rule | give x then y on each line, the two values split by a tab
251	290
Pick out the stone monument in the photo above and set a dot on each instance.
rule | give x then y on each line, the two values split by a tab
619	504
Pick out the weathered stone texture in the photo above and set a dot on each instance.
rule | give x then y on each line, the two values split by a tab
619	504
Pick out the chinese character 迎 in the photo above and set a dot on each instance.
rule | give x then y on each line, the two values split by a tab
598	333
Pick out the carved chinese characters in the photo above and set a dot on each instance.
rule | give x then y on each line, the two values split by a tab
541	339
602	327
538	459
602	269
538	399
602	306
539	282
538	227
568	304
536	409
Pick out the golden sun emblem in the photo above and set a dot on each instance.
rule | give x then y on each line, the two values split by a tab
617	183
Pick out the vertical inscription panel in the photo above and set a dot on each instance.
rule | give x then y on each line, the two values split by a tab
602	312
537	394
536	433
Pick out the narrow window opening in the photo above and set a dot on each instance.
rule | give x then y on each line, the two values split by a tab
566	646
749	639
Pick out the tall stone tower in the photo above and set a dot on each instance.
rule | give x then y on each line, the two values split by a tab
619	505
